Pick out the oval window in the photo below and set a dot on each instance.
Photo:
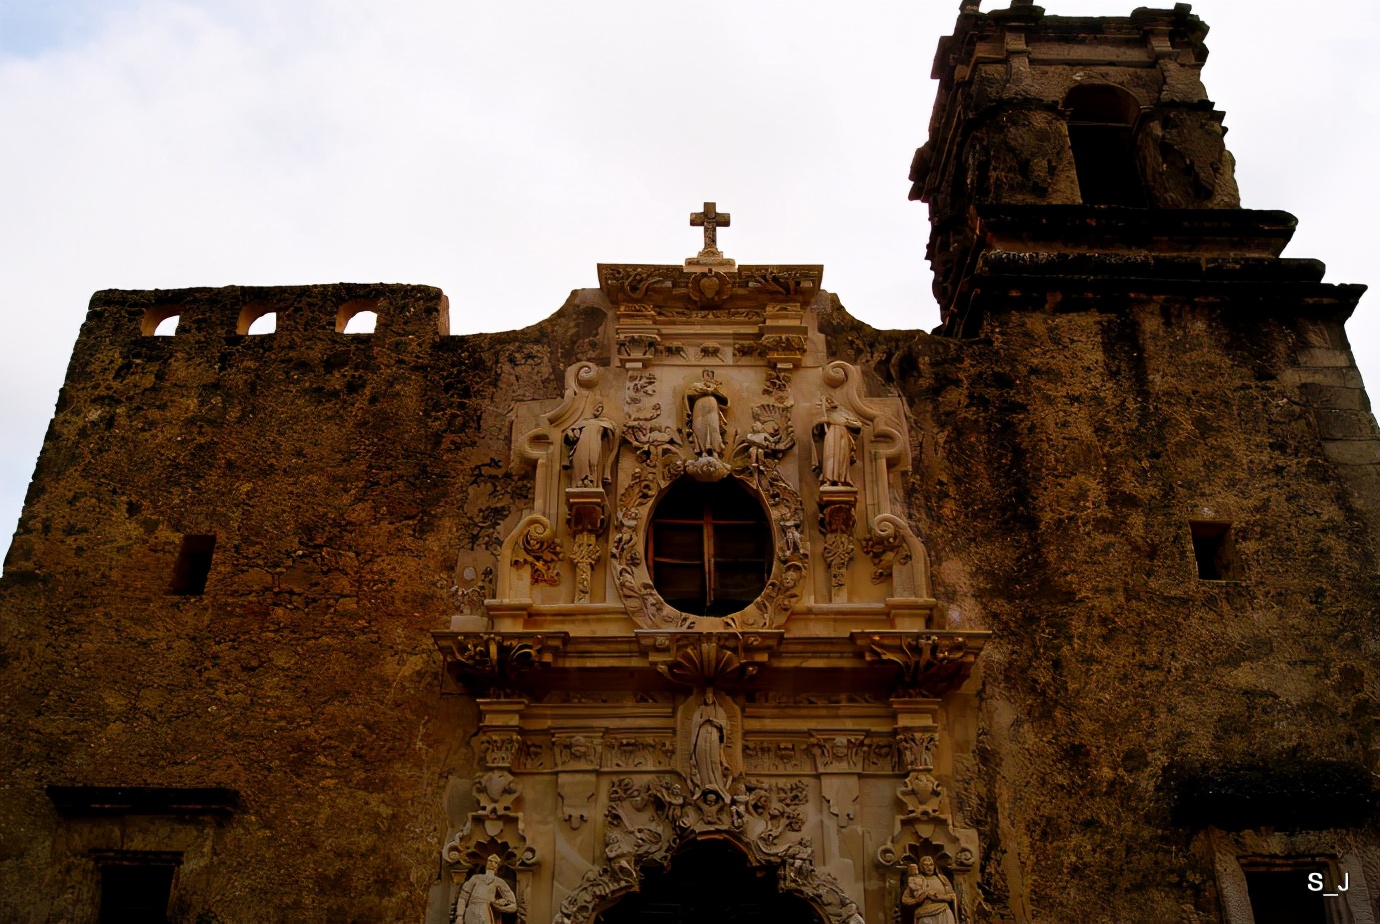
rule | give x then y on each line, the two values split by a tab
709	547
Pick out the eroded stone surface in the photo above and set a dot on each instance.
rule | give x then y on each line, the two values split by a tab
429	634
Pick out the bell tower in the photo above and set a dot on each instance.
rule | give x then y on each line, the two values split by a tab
1148	381
1053	136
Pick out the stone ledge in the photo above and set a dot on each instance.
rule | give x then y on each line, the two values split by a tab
1334	424
1335	398
1321	356
1328	376
1352	452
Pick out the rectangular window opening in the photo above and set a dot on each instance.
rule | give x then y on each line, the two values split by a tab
1213	550
193	565
1287	892
136	888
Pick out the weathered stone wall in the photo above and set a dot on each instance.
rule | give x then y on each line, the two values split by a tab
341	474
1062	456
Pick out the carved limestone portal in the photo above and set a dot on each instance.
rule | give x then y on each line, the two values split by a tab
714	620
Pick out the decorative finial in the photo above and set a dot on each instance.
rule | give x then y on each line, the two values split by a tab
710	258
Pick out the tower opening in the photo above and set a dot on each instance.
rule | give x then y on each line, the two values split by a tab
1101	119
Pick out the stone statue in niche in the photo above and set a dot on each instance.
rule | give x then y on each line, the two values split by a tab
928	898
592	441
708	734
705	402
835	433
482	896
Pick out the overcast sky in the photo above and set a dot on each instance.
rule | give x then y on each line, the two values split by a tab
500	150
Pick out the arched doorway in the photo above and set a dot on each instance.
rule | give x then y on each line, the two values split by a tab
710	882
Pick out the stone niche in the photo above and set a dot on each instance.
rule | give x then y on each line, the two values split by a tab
714	623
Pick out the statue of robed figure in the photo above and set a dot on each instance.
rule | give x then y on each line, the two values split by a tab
592	441
835	433
482	895
705	403
708	735
928	897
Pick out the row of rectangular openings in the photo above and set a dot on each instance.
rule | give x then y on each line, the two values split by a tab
353	318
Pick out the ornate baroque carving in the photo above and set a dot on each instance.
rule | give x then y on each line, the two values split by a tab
928	665
779	280
756	462
584	552
646	823
776	756
576	752
640	415
917	749
538	548
707	658
887	550
838	555
638	753
837	753
634	281
471	599
498	749
494	663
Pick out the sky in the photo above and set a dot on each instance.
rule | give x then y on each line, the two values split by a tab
500	150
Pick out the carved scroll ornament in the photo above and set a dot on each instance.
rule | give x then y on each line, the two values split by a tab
539	550
927	664
491	662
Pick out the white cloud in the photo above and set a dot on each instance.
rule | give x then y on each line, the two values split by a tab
499	151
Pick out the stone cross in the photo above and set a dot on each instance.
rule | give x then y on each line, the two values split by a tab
711	220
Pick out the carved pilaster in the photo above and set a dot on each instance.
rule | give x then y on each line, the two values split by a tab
586	519
837	519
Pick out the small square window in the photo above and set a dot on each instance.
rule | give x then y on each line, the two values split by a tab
1213	550
193	565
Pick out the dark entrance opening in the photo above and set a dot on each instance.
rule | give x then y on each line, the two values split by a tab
710	882
1280	894
1213	550
136	888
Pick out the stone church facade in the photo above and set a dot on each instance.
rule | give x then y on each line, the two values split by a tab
703	600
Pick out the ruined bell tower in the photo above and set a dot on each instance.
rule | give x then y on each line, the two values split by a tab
1048	129
1145	375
